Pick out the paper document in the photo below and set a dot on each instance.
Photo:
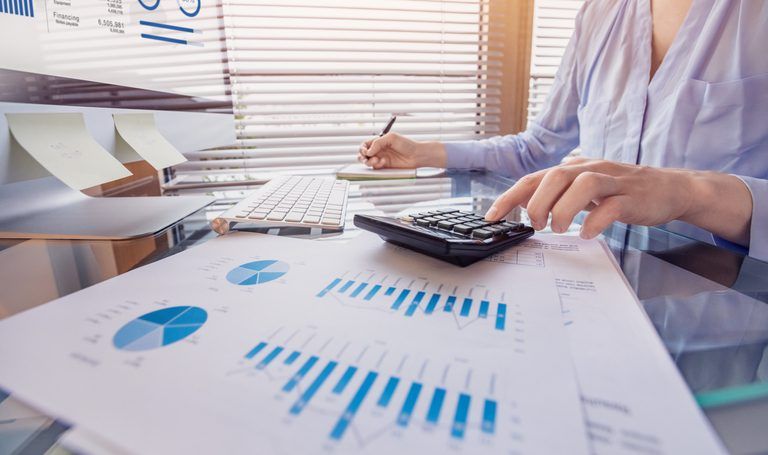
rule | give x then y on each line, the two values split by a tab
262	344
140	132
635	399
359	171
64	147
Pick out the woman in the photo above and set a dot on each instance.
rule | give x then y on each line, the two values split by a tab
668	101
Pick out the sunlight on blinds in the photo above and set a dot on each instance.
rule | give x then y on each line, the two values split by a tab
553	23
312	80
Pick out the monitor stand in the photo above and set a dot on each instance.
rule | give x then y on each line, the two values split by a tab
48	209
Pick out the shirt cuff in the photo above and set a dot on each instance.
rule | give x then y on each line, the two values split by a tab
464	155
758	231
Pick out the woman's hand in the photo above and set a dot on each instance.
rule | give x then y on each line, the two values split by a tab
395	151
719	203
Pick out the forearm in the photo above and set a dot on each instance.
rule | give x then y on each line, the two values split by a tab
721	204
513	155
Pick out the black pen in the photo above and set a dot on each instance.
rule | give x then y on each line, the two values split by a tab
389	126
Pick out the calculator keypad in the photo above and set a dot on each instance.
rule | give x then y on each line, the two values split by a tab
462	224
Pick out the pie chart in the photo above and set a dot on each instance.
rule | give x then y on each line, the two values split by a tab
257	272
160	328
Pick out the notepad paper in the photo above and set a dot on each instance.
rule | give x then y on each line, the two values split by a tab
140	132
359	171
63	146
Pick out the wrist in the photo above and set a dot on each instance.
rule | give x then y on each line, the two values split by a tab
431	154
719	203
699	191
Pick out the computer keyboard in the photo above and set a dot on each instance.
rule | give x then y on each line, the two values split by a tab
296	201
455	236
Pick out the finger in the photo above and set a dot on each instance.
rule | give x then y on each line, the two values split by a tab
379	162
517	195
556	181
379	144
609	210
572	160
586	187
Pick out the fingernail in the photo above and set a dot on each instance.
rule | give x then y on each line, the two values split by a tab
491	213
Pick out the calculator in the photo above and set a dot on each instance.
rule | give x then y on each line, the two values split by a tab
454	236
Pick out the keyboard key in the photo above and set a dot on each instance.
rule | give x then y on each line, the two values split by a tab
257	215
276	216
294	217
312	219
431	220
423	222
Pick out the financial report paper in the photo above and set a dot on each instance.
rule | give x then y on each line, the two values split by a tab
635	400
262	344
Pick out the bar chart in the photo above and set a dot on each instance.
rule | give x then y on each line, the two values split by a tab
368	391
416	298
18	7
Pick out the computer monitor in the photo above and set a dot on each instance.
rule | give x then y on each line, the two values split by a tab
101	57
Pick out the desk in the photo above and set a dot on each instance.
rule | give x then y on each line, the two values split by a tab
709	305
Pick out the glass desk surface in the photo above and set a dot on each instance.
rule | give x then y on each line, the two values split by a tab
709	305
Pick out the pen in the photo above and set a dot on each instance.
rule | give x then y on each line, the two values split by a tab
389	126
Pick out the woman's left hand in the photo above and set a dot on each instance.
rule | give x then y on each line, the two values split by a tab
623	192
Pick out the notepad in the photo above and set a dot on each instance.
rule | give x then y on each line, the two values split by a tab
61	143
359	171
140	132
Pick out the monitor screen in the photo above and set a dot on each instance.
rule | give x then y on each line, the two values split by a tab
133	54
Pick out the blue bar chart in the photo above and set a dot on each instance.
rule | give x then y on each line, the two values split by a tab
410	403
411	303
18	7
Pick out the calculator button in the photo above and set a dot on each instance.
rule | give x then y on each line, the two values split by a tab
431	220
423	222
482	234
498	230
462	229
446	224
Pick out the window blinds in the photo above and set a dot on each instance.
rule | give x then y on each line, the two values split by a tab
311	80
553	23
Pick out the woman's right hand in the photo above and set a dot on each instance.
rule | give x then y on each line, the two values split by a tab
395	151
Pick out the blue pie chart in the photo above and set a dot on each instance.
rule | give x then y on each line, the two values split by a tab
257	272
160	328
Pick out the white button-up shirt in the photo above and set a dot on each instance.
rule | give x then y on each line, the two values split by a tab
705	108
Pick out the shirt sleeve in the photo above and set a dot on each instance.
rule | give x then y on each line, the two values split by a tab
549	138
758	231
